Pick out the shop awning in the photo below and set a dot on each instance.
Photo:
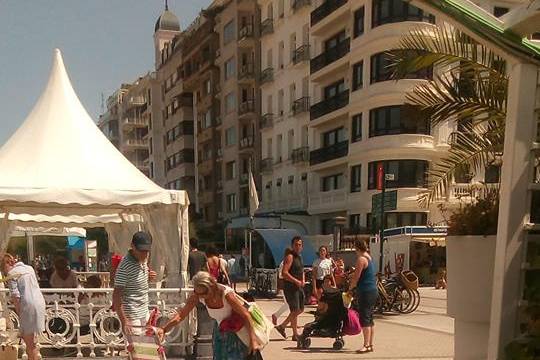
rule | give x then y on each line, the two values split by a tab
280	239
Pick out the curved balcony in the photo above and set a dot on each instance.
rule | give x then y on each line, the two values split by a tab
300	155
300	105
329	56
267	27
246	108
327	7
301	54
267	75
329	105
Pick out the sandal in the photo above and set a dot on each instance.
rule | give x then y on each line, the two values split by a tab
364	350
295	338
274	319
281	331
370	348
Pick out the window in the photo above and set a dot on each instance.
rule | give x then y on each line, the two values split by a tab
332	137
381	71
230	170
354	222
398	219
228	32
334	89
493	174
356	126
230	136
231	203
332	182
357	81
207	119
230	102
334	41
356	174
229	68
327	226
499	11
358	22
397	119
392	11
407	173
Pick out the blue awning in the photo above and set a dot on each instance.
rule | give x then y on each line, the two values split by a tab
280	239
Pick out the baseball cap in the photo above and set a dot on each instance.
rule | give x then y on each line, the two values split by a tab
142	241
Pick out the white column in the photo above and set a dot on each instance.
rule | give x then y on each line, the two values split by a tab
514	207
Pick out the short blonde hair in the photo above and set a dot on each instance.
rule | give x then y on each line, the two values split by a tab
7	259
203	279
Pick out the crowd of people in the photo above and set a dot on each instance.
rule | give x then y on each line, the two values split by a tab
214	282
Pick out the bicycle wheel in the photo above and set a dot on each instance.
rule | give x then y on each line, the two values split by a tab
405	300
416	302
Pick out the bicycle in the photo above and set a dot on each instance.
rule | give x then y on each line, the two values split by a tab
396	294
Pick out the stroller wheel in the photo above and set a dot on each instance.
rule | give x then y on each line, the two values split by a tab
303	343
338	344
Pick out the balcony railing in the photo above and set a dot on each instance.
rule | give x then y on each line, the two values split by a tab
142	121
327	7
246	107
266	165
247	142
329	56
300	155
328	105
267	121
246	32
267	75
247	71
301	54
300	105
91	328
137	100
328	153
267	27
137	142
298	4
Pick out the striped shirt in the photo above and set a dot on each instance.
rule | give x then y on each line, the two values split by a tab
132	277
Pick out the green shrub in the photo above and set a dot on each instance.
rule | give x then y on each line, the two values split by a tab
477	218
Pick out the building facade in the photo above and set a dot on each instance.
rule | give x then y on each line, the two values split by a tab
285	104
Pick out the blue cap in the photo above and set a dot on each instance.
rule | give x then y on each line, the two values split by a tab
142	241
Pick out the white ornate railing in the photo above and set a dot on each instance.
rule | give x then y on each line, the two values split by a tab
81	323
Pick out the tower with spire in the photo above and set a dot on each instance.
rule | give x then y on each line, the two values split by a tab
166	28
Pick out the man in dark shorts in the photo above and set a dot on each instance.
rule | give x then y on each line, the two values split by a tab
293	286
196	259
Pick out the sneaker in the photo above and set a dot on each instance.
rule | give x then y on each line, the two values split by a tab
281	331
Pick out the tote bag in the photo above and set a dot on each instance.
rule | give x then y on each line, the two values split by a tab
262	326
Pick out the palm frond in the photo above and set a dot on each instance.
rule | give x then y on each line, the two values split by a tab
426	47
445	98
470	148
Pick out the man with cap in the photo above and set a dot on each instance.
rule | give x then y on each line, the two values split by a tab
130	296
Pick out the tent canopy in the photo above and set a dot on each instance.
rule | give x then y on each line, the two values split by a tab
280	239
58	169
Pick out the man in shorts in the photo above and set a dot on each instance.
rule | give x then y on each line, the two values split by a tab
293	287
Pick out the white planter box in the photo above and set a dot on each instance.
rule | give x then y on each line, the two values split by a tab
470	261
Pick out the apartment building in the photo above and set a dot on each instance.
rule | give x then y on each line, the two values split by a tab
358	120
171	139
126	121
239	99
285	105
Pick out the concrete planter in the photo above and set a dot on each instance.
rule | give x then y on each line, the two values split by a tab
470	261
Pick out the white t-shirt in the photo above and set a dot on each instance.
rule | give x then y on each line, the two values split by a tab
225	311
324	267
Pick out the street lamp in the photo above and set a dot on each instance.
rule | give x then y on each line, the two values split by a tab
339	222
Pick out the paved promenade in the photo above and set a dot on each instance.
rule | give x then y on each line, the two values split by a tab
426	334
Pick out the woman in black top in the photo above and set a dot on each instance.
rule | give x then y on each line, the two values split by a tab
293	287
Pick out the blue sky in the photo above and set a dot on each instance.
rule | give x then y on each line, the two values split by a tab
104	43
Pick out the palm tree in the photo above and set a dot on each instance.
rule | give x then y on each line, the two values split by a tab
469	87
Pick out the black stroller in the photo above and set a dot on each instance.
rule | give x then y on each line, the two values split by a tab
329	323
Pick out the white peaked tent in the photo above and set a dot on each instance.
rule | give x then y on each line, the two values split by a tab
58	169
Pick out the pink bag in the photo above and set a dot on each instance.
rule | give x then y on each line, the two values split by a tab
352	325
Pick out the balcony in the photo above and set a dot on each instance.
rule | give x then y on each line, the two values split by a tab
136	100
327	7
300	105
267	75
136	121
247	142
245	33
267	121
301	54
247	72
246	107
298	4
266	165
300	155
329	105
328	153
329	56
139	143
267	27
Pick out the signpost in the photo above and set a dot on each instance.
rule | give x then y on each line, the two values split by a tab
380	203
